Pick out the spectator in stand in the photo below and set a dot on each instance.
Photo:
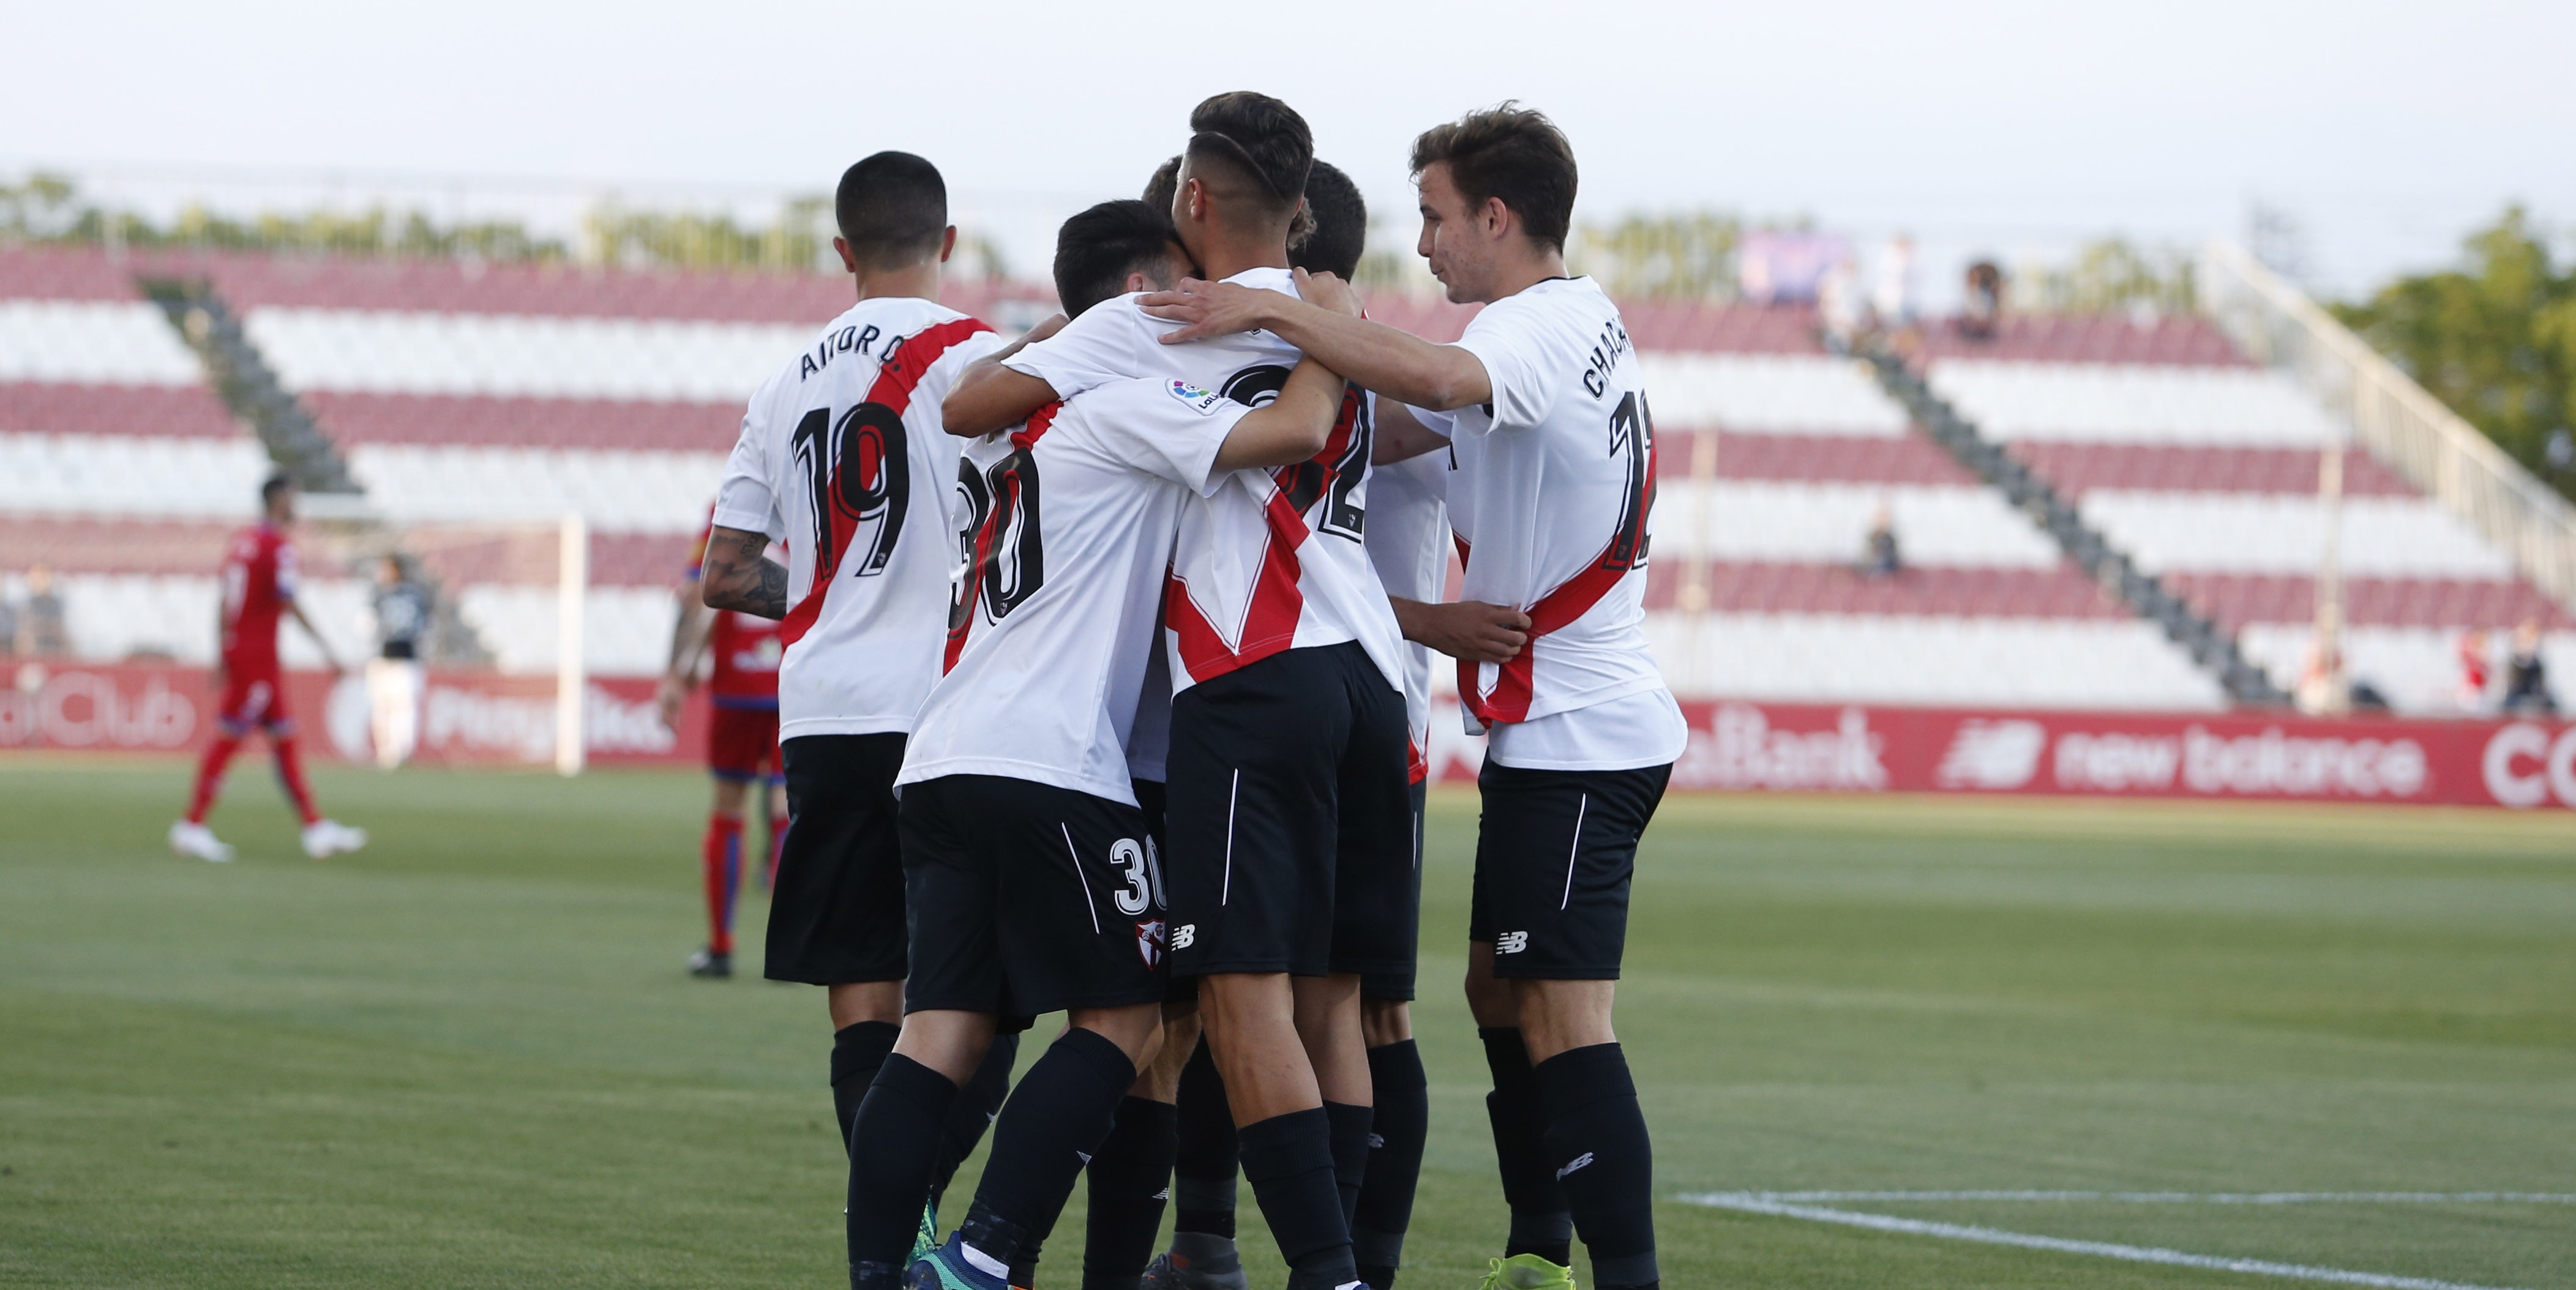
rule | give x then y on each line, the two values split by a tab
2476	669
1982	310
2526	678
401	607
1894	296
42	632
1839	305
1879	555
8	627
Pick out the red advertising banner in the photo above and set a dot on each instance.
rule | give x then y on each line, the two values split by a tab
2216	756
466	718
479	718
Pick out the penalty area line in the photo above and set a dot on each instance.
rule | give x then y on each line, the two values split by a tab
1750	1203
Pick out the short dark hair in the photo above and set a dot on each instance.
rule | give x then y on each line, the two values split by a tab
1260	137
1510	152
1097	249
1340	230
892	209
272	486
1165	185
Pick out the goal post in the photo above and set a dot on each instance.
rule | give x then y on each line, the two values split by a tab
572	678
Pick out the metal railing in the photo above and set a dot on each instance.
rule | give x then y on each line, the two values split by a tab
2393	417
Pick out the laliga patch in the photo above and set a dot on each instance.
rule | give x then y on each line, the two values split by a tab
1149	941
1200	401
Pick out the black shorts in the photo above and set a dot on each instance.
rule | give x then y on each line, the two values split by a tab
836	910
1385	984
1291	841
1028	899
1554	854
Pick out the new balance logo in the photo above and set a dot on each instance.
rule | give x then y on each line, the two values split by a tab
1511	942
1377	1142
1185	936
1574	1164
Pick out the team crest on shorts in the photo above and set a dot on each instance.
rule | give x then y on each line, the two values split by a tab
1149	941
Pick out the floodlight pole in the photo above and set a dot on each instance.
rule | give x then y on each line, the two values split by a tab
572	678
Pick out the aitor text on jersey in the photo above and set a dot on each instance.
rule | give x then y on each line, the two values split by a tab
1606	353
844	341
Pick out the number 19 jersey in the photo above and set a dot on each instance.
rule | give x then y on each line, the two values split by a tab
1553	501
844	459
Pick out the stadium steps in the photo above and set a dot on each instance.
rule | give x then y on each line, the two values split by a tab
249	386
2029	492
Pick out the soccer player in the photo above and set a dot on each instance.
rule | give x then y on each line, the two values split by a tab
1034	878
1407	540
742	744
1286	807
258	590
843	458
400	607
1551	498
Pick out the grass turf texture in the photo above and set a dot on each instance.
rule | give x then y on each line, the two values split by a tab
468	1055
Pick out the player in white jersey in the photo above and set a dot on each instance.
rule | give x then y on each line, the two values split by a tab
1552	498
1033	875
1286	791
842	457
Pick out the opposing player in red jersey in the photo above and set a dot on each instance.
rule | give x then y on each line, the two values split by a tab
259	589
742	745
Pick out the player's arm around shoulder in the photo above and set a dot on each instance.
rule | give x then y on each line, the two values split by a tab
990	395
1390	363
1297	424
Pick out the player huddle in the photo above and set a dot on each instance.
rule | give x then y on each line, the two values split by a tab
1105	690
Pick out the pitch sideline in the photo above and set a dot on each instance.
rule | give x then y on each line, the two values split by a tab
1781	1205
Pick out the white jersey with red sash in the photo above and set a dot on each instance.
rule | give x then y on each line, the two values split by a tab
1271	560
844	459
1553	501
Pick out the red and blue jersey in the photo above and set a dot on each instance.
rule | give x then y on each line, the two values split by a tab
746	649
258	584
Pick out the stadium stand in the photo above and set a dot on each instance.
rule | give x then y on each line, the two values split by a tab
2204	469
476	404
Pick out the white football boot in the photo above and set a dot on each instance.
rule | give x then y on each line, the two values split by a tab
197	842
326	838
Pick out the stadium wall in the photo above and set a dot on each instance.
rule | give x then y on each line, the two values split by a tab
480	718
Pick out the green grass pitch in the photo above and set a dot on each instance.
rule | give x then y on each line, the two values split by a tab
468	1056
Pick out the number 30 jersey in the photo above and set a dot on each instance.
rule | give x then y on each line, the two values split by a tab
1067	526
843	459
1553	501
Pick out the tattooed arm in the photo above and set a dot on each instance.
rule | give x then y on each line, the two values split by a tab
739	575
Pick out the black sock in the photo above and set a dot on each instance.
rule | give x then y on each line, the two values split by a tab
1395	1161
1131	1178
1203	1167
1596	1135
973	1113
1350	1126
1049	1129
898	1125
858	1049
1288	1159
1541	1223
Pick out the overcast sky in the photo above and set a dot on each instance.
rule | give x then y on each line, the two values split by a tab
2386	129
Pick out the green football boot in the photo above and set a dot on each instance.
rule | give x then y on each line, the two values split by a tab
1528	1272
926	1237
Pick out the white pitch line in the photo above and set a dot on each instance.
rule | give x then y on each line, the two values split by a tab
2181	1197
1753	1204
